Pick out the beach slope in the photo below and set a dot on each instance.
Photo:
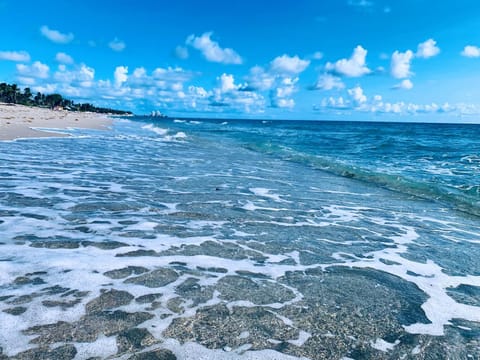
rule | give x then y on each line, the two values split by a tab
18	121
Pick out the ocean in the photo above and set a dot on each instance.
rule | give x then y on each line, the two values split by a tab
242	239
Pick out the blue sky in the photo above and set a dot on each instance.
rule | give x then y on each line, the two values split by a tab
409	60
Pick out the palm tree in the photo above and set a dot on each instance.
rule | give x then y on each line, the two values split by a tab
27	96
14	89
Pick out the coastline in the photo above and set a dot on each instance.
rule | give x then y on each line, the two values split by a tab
19	121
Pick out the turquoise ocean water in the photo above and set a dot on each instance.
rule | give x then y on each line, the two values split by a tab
236	239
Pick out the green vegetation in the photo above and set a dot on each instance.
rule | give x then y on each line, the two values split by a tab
13	95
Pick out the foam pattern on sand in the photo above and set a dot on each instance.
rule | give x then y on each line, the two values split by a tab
137	242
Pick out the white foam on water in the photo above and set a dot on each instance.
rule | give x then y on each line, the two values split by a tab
178	136
143	226
416	350
12	339
104	347
429	277
267	193
242	233
243	335
343	213
194	351
250	206
202	224
383	345
303	336
155	129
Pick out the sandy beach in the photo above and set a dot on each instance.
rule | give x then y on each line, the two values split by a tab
18	121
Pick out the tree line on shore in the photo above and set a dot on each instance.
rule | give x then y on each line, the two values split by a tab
12	94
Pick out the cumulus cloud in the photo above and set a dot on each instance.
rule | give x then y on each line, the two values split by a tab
226	83
405	84
36	70
170	74
226	95
117	45
280	95
358	101
82	76
288	64
55	35
334	103
120	75
357	95
471	51
212	51
280	79
259	79
317	55
63	58
427	49
19	56
328	82
400	64
355	66
181	52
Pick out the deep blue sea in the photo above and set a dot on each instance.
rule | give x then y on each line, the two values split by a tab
240	239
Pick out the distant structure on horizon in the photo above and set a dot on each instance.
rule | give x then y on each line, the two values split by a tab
157	113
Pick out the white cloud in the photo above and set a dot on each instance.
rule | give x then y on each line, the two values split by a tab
288	64
427	49
355	66
328	82
259	79
400	64
86	75
19	56
212	51
181	52
63	58
405	84
280	95
117	45
471	51
56	36
357	95
359	102
318	55
120	75
170	74
139	73
360	3
285	103
334	103
26	81
36	70
226	83
82	76
228	95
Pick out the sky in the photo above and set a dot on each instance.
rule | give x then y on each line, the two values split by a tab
381	60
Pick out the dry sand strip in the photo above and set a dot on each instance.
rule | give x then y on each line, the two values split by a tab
18	121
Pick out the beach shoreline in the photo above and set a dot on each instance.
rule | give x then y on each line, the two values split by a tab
19	121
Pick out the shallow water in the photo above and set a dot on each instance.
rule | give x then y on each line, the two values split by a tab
242	239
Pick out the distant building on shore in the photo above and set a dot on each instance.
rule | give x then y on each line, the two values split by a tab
157	113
